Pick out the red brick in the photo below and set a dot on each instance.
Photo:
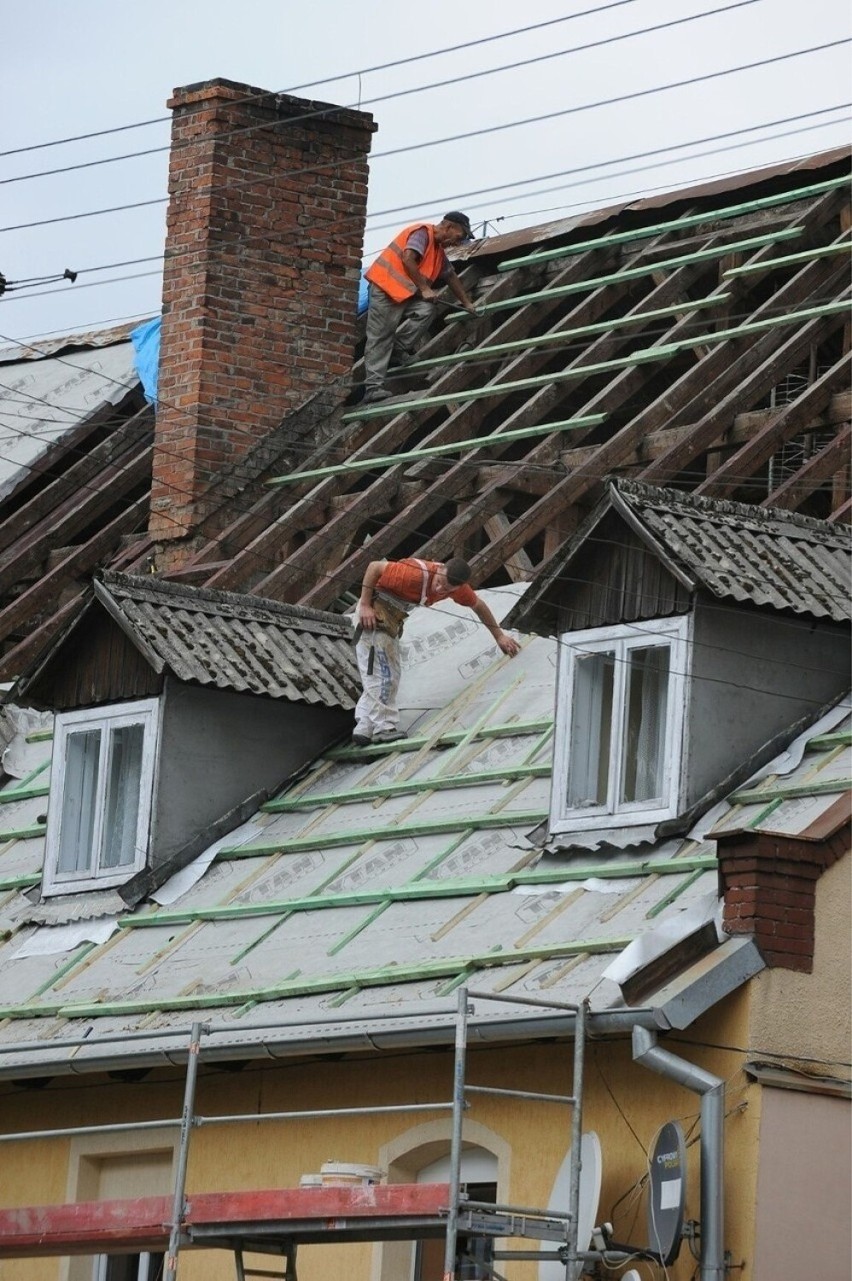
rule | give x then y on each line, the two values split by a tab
264	240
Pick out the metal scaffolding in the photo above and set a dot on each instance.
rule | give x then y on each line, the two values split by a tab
277	1222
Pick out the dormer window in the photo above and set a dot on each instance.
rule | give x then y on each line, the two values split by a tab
619	725
102	783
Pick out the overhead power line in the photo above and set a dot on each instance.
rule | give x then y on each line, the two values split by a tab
39	291
387	97
475	133
345	75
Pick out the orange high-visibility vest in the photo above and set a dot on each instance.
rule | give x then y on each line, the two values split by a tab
389	274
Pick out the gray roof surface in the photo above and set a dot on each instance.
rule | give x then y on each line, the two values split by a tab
354	905
45	397
236	642
772	558
760	556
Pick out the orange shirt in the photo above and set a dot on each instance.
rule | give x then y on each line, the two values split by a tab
404	578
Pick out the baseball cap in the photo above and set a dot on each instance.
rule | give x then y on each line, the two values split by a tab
461	220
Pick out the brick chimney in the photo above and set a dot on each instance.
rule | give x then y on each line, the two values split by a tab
265	230
768	880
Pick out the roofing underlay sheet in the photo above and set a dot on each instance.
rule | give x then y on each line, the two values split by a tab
342	913
42	400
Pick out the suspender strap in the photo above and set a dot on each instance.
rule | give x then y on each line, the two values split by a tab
424	571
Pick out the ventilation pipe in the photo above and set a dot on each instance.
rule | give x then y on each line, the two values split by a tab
712	1090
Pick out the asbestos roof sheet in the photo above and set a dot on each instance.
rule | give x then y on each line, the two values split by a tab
235	642
350	909
771	558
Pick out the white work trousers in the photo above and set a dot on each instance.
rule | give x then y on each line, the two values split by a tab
393	329
376	710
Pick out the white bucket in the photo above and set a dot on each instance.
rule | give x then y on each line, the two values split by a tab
339	1174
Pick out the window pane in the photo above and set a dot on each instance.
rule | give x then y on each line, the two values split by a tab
122	802
591	730
645	723
82	753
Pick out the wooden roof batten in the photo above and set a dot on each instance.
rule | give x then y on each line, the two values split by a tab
669	410
615	347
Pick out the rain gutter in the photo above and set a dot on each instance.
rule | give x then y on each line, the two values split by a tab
131	1052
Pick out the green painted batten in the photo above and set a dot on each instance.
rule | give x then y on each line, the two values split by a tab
400	789
788	260
22	794
23	882
642	356
413	891
23	833
825	742
393	974
333	840
765	795
26	787
674	894
674	224
432	451
564	336
646	269
445	740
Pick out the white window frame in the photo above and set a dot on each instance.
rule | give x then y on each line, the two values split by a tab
677	634
145	712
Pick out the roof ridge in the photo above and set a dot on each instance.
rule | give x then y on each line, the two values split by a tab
657	496
203	599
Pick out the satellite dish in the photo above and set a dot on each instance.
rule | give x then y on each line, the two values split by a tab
667	1193
591	1174
632	1275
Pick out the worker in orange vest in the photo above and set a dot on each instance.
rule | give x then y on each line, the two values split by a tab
403	290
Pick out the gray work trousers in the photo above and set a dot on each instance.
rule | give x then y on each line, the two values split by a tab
393	330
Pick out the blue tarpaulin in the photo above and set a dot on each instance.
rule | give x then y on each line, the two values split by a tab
146	355
146	346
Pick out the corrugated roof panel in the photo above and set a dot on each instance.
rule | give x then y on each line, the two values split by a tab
770	558
241	643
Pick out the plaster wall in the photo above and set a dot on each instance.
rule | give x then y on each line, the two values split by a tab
808	1015
626	1104
217	748
804	1188
755	673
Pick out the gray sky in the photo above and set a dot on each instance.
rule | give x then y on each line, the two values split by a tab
74	68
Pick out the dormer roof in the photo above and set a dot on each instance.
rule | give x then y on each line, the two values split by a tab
226	640
770	558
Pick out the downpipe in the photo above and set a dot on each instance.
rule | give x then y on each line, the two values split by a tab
712	1090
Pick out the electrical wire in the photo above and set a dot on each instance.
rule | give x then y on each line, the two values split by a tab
321	112
381	66
466	136
343	222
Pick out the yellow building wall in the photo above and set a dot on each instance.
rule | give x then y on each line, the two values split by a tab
808	1015
625	1103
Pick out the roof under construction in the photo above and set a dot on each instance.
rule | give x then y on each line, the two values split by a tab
350	909
694	340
